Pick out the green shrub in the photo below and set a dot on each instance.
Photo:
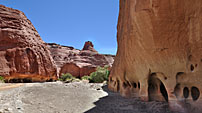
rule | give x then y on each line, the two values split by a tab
66	77
1	79
100	75
86	77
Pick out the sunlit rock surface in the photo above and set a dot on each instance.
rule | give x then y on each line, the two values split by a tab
78	62
159	50
23	55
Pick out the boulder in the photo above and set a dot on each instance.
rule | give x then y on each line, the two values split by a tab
159	50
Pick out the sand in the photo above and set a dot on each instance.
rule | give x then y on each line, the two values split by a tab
77	97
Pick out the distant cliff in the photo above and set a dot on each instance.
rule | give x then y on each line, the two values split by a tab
78	62
25	57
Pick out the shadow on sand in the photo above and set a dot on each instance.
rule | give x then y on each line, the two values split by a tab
115	103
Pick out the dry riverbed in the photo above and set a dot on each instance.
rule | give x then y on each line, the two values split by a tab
77	97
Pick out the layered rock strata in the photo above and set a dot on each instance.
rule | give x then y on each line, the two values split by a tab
159	50
23	55
78	62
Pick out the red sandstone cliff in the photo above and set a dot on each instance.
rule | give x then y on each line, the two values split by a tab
23	54
159	50
78	62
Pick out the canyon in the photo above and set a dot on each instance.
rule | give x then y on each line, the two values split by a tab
78	62
25	57
159	50
158	65
158	54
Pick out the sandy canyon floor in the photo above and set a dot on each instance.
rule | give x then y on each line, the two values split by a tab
77	97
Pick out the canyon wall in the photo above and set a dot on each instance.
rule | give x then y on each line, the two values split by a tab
23	55
159	50
78	62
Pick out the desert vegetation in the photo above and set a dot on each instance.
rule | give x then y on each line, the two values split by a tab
2	79
100	75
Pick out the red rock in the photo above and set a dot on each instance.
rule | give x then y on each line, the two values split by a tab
75	70
78	62
159	50
23	54
89	46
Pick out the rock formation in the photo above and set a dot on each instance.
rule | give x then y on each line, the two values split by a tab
78	62
159	50
89	46
23	55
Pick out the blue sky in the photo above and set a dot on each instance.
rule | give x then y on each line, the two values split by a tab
72	22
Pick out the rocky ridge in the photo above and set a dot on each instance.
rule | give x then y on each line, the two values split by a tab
78	62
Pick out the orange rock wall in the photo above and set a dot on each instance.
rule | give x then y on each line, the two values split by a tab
159	50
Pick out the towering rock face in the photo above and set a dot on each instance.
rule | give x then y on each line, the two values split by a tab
78	62
23	54
159	50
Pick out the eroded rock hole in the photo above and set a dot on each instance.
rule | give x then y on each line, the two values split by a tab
156	89
115	83
186	92
28	50
192	68
163	91
118	85
139	85
124	85
134	85
195	93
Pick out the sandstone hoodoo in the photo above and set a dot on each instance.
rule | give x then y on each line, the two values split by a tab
89	46
159	50
78	62
23	55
